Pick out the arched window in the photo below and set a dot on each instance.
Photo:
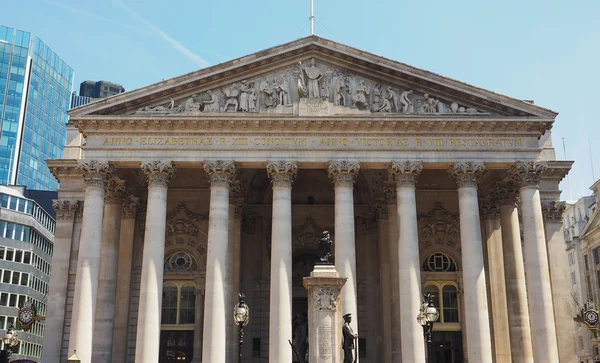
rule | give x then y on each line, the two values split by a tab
180	262
439	262
178	304
445	298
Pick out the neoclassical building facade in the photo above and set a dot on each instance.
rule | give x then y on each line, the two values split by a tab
178	196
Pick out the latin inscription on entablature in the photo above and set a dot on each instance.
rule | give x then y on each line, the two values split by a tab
271	142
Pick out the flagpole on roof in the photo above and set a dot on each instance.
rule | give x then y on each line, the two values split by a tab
312	19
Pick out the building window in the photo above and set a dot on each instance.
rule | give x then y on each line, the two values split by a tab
445	298
180	262
178	304
439	262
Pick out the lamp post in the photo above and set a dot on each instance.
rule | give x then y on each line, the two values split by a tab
10	340
428	314
241	315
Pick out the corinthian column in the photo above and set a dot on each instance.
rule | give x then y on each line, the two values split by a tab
343	173
214	345
514	273
107	282
541	309
282	174
466	175
57	296
159	174
124	265
95	173
405	174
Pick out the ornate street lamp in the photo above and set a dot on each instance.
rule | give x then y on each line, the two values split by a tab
428	314
10	340
74	358
241	315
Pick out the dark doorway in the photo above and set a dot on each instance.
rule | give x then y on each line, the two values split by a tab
176	346
446	347
300	328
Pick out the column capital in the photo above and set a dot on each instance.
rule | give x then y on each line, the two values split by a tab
527	173
553	211
65	208
282	172
343	172
114	191
95	172
506	193
405	173
159	172
466	173
489	208
236	197
220	172
130	206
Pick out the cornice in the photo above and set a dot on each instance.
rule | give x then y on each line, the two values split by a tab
557	170
335	124
325	49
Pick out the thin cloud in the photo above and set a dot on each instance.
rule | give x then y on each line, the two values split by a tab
174	43
92	15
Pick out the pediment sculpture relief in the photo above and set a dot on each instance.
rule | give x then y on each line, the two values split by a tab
439	227
310	88
182	229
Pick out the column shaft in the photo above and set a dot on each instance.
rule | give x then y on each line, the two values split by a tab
148	326
124	266
516	291
384	283
59	277
107	282
282	174
214	344
199	311
88	260
393	254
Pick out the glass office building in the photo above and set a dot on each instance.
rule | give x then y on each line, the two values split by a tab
35	92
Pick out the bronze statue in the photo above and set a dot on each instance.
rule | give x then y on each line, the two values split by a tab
348	338
324	248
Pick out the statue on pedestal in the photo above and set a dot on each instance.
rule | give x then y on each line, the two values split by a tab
324	248
348	340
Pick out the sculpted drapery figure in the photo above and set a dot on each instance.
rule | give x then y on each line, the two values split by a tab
283	92
361	95
244	99
407	105
313	76
348	338
231	103
211	104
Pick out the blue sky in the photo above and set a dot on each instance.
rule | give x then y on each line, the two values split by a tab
548	51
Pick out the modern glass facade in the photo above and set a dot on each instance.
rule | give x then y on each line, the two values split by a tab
35	92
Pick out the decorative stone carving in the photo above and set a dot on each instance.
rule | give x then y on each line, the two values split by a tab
326	298
506	193
282	172
220	172
439	227
309	87
182	229
553	211
429	105
211	102
159	172
114	191
80	211
306	236
236	197
244	96
466	173
95	173
130	206
231	98
341	92
407	105
489	208
360	99
343	172
405	173
527	173
65	209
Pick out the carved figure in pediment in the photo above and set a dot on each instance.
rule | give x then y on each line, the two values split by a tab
393	98
190	105
231	98
282	91
407	105
360	99
313	76
211	103
160	108
429	105
341	90
377	98
244	97
269	93
252	96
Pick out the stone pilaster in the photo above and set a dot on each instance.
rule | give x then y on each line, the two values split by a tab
214	348
405	175
57	296
467	174
129	207
159	173
343	173
95	174
541	309
282	174
514	273
559	278
490	210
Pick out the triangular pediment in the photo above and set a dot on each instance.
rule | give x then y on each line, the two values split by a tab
311	76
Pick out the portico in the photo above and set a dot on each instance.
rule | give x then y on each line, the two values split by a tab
233	197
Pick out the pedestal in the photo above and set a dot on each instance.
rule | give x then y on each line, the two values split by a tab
324	314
